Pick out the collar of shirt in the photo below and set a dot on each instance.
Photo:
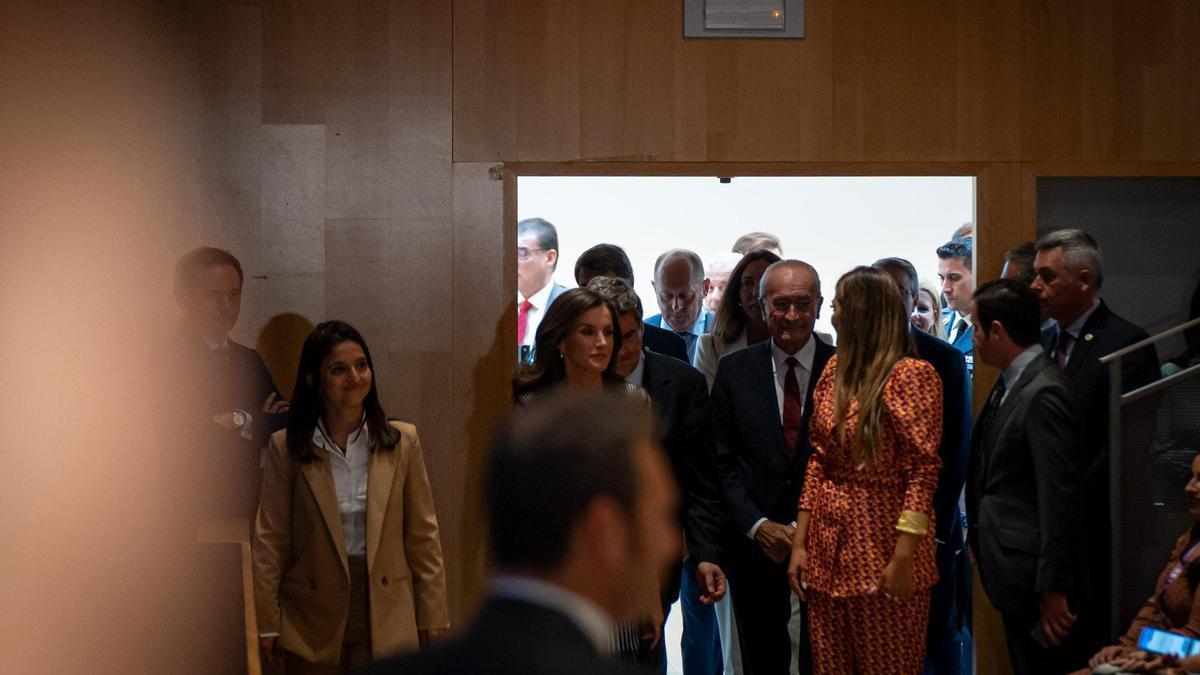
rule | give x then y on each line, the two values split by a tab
805	356
587	616
539	299
638	373
1013	372
1075	328
214	346
322	439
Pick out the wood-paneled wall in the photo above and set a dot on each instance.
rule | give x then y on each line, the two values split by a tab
344	150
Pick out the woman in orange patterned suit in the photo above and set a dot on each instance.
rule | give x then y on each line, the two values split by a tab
862	555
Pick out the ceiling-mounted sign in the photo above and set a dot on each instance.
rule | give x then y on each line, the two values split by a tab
743	18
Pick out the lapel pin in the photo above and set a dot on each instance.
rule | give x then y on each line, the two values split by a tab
1088	337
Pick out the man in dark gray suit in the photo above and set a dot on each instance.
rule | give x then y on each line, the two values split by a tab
1024	502
581	517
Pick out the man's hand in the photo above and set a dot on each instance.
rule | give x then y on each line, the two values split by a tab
775	540
428	637
712	582
1057	618
274	405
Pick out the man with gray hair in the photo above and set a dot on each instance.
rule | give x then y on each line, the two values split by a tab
718	270
680	285
762	402
680	397
1069	274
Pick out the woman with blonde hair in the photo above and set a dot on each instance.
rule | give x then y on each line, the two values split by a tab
863	551
927	310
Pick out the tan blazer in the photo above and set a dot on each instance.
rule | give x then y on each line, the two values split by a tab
301	576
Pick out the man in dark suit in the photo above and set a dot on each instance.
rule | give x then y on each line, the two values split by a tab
581	509
218	397
232	403
609	260
680	287
1069	277
679	394
1024	500
948	641
762	401
955	269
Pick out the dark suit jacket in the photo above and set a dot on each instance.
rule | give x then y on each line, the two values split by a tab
1024	500
1089	385
951	367
212	384
679	394
509	637
757	477
663	341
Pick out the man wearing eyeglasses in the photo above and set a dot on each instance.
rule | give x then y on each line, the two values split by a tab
537	256
762	402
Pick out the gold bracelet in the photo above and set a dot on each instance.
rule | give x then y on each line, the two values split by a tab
913	522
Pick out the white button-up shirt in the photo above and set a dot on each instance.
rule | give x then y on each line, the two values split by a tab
349	470
537	309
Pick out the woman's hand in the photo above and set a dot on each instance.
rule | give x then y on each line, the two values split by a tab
798	571
896	583
1106	655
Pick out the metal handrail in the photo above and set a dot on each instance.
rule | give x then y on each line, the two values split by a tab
1149	341
1161	383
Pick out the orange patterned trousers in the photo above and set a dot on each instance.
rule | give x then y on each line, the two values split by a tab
867	634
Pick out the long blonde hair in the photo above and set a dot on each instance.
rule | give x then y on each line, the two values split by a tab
935	305
872	336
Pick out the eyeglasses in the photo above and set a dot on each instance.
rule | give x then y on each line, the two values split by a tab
524	251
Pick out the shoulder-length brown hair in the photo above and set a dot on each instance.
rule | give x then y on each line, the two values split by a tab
873	336
730	321
547	368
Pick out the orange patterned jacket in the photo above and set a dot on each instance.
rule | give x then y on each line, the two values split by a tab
852	528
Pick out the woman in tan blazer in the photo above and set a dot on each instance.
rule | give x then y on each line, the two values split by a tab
347	560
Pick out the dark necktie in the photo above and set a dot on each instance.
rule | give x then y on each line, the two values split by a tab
993	404
793	410
959	329
1060	351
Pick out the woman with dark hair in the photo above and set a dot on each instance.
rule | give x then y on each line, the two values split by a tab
739	319
863	549
347	559
576	343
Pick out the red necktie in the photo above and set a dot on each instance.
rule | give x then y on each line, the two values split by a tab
793	411
522	320
1060	352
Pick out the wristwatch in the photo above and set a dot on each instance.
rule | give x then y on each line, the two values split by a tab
239	419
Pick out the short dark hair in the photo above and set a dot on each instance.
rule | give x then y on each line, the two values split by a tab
914	282
1015	305
191	267
620	293
604	258
957	248
753	241
1079	250
307	404
543	232
549	461
1023	255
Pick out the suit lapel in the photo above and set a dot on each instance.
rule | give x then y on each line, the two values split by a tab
320	481
381	474
764	386
1010	403
1083	346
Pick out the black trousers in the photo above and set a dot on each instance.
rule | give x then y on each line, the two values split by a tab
762	607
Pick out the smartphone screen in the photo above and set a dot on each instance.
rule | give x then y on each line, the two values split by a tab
1161	642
